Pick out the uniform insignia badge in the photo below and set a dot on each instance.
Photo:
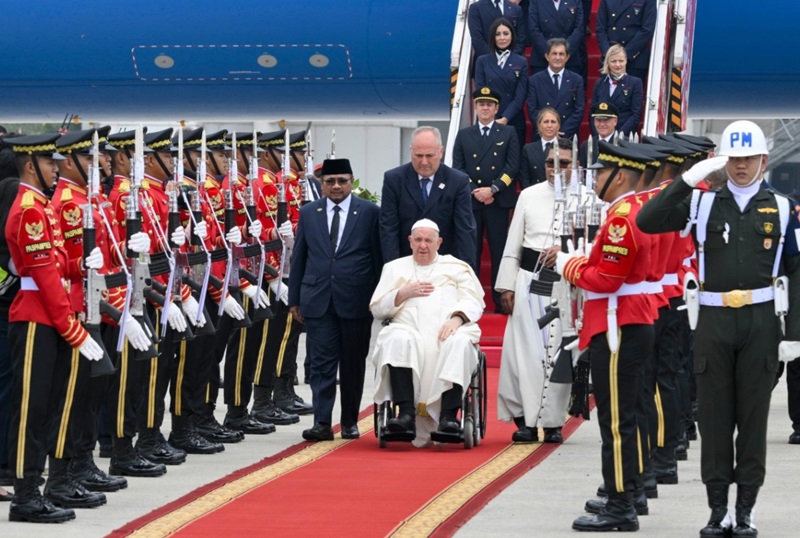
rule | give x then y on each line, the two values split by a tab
272	201
767	210
35	230
767	243
572	11
500	143
216	200
441	186
636	10
625	92
617	233
623	210
73	216
768	227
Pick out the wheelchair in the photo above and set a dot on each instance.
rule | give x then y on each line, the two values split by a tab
473	415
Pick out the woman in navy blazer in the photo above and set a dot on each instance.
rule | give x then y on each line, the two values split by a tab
510	80
628	95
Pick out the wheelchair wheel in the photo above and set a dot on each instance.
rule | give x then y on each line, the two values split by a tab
483	399
381	418
469	433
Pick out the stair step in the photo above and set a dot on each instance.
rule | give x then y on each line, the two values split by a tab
493	354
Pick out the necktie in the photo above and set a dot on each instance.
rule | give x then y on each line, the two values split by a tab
555	80
423	183
335	227
497	5
485	131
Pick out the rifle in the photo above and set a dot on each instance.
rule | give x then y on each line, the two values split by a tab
94	283
305	183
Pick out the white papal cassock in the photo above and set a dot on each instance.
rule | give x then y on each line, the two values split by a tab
411	339
528	356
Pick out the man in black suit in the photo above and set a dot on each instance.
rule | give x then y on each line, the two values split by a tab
559	88
336	265
446	201
489	153
559	19
604	118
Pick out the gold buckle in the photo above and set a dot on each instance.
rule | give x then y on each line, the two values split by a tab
737	298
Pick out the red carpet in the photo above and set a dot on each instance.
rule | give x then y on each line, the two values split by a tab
325	489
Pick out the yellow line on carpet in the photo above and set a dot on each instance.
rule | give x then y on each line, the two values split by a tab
447	503
205	504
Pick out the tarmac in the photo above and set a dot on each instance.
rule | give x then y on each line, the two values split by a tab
543	502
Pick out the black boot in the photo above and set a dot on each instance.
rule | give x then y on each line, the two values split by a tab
265	410
595	506
618	514
285	398
92	478
650	484
126	461
745	501
29	505
206	425
238	419
62	490
665	466
681	449
185	437
718	502
152	445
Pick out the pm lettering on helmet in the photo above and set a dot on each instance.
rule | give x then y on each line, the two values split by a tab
744	139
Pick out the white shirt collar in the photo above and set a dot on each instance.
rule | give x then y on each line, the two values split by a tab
481	126
344	204
551	73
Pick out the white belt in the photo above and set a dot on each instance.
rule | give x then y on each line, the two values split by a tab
670	279
27	283
737	298
639	288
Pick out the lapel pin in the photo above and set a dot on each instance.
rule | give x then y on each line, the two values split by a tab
319	209
355	212
441	185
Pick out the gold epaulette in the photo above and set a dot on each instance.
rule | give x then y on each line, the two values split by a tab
125	185
27	200
66	195
623	209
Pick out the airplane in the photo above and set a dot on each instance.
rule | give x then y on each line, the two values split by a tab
359	60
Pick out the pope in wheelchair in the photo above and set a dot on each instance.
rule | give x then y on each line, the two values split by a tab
426	355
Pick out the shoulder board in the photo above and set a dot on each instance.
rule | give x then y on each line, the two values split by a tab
125	185
623	209
66	195
209	184
28	200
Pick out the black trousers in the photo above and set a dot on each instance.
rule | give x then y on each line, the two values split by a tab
793	386
735	364
280	351
665	417
126	387
335	343
40	362
245	350
494	220
6	382
155	374
617	379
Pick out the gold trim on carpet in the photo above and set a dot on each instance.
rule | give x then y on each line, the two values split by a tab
447	503
205	504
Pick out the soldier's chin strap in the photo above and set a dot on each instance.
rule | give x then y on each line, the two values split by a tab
78	165
603	191
214	164
756	177
163	166
296	160
40	177
190	162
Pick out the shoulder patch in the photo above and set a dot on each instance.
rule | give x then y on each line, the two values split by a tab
66	195
623	209
125	185
27	200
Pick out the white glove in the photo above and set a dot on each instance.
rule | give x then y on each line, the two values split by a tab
587	248
175	318
179	236
136	335
234	236
201	230
191	307
285	230
563	257
703	169
232	308
284	296
140	243
255	229
252	292
91	350
788	350
94	260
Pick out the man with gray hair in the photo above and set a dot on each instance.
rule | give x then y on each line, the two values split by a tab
427	189
425	357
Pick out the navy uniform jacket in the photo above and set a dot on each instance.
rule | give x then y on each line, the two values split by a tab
346	278
511	82
582	152
449	206
630	23
568	100
627	98
544	22
481	16
531	167
492	161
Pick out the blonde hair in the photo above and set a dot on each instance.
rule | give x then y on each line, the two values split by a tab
613	50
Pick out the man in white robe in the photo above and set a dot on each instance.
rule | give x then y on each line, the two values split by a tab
425	357
526	394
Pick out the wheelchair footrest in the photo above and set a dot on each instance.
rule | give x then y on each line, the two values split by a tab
406	436
447	437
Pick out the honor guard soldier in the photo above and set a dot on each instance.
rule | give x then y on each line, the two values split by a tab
618	332
750	231
45	337
489	153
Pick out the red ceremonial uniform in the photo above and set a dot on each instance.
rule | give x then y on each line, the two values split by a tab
36	245
621	255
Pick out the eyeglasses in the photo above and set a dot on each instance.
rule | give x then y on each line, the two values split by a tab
339	180
565	163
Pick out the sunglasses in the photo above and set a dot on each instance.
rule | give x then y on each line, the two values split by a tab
340	181
565	163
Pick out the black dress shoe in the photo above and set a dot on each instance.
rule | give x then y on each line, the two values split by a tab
525	435
449	425
207	426
553	435
794	439
402	424
350	432
6	497
320	432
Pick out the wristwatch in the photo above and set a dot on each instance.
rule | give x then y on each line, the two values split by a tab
495	189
